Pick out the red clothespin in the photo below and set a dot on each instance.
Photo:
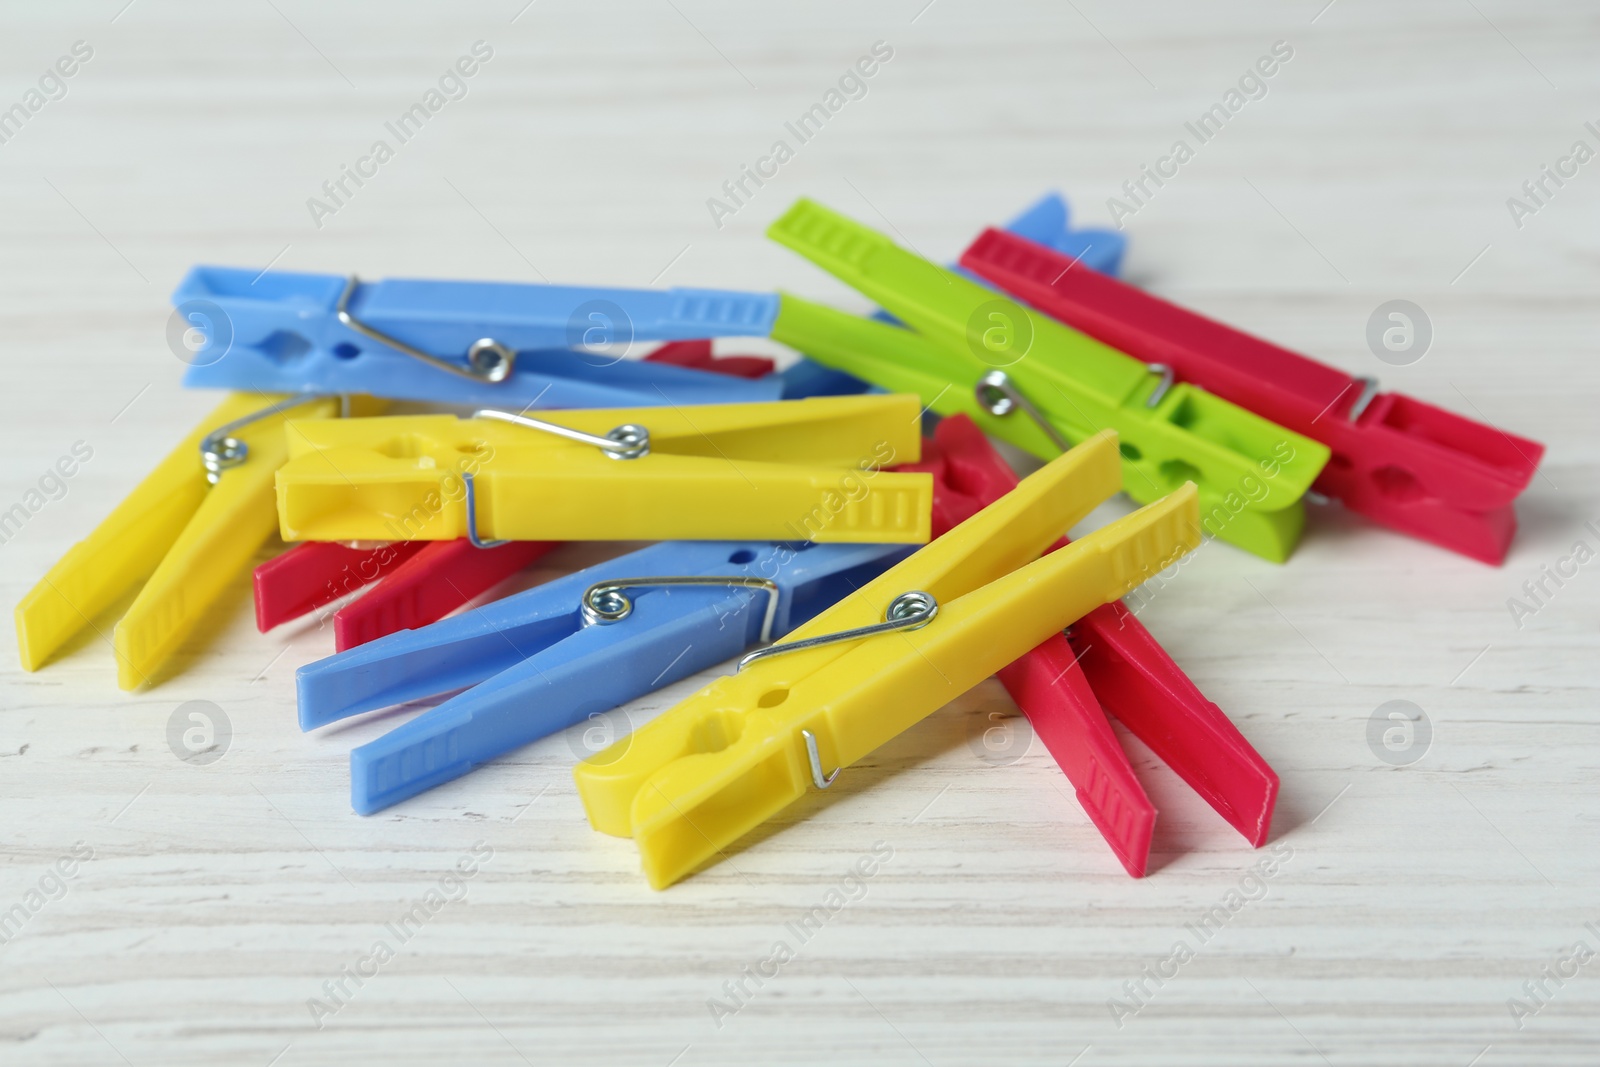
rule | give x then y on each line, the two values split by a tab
303	579
697	356
1400	462
1107	663
422	582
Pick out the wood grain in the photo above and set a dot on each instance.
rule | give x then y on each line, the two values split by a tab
1415	901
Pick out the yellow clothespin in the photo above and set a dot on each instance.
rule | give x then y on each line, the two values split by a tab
716	766
803	470
189	527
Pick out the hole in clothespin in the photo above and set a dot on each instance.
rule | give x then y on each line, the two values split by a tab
1399	484
408	446
346	350
1130	451
744	555
717	732
1178	471
284	346
772	698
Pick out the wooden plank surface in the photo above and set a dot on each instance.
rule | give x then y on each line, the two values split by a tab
213	914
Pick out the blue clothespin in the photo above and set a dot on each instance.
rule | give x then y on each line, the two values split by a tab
491	344
1046	222
551	657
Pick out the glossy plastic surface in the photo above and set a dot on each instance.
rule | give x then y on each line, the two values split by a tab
713	768
279	331
1405	464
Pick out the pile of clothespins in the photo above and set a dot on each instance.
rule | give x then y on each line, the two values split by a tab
867	575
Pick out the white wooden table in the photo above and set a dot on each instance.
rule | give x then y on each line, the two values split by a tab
209	907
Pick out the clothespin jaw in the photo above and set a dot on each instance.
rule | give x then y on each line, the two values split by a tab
437	580
1137	681
1047	222
1251	474
1107	663
418	582
124	549
188	537
795	470
453	342
699	777
304	578
1403	463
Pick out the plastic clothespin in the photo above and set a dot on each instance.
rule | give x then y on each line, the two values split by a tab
1045	221
969	349
1400	462
1109	662
786	470
307	576
697	355
499	718
716	766
419	582
423	581
185	531
557	654
466	343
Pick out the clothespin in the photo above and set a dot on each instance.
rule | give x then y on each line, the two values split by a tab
788	470
708	771
697	355
1403	463
552	656
968	349
1046	221
309	575
418	582
485	344
524	682
185	531
422	581
1107	661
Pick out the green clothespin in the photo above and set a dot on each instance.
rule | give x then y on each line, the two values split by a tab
1029	380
